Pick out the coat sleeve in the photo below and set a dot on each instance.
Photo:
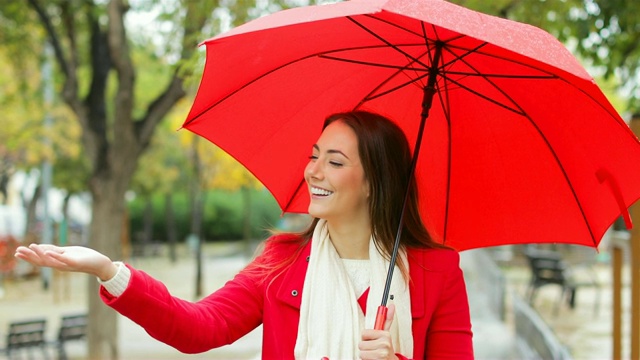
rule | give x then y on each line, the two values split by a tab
193	327
449	335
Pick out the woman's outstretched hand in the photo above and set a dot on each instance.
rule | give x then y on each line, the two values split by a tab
377	344
69	258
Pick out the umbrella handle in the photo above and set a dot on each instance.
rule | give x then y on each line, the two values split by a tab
381	318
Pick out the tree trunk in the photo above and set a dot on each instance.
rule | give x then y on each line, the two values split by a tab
197	213
147	235
246	226
4	186
105	235
63	227
112	141
65	205
30	230
108	212
198	210
172	237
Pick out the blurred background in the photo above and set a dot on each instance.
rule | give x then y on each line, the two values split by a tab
93	94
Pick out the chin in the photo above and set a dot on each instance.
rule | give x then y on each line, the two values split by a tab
316	213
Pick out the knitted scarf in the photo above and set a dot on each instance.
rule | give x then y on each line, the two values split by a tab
331	321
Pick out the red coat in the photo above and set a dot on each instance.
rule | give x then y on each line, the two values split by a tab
441	322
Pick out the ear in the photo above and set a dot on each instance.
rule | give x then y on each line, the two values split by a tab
366	188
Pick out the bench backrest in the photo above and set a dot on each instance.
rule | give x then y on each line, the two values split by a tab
73	327
546	266
24	334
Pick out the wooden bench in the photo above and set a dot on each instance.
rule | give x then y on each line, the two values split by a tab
548	267
27	335
73	327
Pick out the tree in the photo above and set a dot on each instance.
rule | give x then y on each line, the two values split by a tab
98	73
212	168
603	33
24	142
158	173
609	36
90	41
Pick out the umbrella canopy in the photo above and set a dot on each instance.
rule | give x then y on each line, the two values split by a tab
520	144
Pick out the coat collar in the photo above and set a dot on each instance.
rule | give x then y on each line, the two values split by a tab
290	290
291	286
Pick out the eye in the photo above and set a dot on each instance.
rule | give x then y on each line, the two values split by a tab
335	164
313	157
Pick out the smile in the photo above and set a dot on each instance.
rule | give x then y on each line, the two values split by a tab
320	192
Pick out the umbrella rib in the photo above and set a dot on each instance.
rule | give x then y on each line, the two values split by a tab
323	54
423	35
369	97
477	51
360	62
417	77
540	133
548	145
409	82
461	58
517	110
550	76
267	73
503	76
385	41
566	176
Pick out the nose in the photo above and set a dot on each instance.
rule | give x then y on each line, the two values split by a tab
314	169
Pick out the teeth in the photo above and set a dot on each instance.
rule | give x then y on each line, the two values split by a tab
321	192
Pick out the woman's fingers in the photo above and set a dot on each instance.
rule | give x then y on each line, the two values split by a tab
28	254
61	258
40	255
377	344
24	253
68	258
41	248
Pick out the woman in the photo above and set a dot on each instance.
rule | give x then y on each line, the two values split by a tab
316	293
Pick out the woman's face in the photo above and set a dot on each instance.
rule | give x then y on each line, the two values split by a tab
335	176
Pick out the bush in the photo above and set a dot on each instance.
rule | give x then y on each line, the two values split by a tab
223	217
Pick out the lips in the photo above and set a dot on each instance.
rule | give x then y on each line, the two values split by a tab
316	191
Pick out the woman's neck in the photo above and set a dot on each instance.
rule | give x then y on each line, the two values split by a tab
351	240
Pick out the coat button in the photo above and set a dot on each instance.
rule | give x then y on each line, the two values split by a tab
294	293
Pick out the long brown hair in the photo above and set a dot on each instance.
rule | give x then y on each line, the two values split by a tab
386	158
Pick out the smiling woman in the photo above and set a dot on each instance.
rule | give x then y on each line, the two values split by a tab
337	185
335	269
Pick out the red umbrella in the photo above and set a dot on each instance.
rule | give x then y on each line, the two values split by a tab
520	144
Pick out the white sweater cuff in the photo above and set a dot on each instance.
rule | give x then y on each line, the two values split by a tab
119	282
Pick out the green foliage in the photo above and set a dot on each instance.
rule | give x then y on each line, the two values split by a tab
223	216
605	34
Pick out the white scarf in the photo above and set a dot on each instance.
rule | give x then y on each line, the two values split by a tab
331	320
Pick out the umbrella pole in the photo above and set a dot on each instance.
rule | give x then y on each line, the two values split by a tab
429	91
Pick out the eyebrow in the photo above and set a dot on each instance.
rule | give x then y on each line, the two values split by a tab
331	151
